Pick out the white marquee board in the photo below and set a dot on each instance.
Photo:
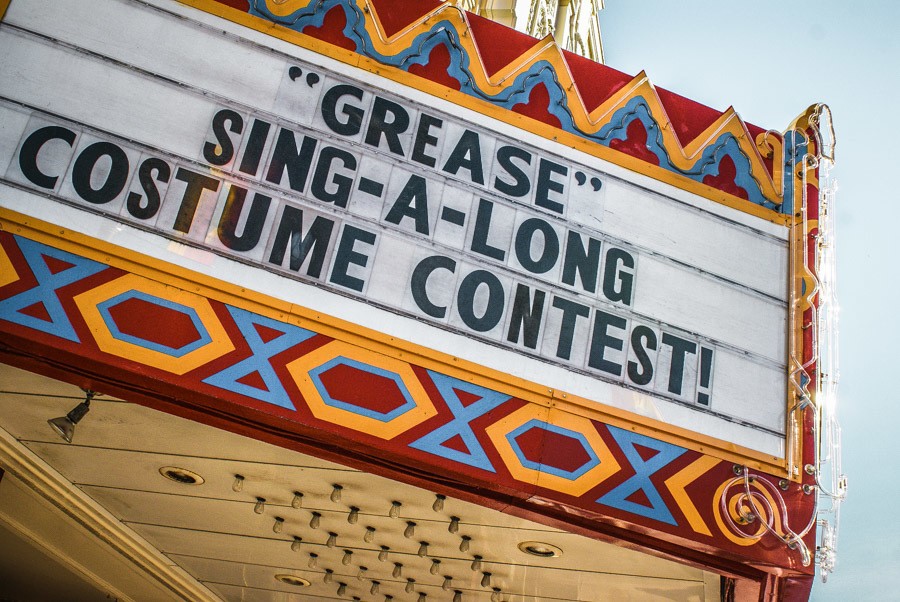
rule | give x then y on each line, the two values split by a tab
326	186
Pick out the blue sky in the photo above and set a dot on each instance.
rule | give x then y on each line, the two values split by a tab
770	60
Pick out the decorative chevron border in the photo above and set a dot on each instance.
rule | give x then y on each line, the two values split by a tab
535	78
243	359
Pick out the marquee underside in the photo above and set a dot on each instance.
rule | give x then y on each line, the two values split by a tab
227	551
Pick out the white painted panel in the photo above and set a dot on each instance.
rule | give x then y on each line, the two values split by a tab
745	384
705	275
176	49
12	124
685	297
727	249
101	95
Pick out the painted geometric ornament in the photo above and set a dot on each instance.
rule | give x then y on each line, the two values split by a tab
535	78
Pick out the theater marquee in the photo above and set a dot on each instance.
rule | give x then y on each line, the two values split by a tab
497	271
399	204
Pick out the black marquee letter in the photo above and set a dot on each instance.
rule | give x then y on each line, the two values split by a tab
585	262
231	214
467	155
521	186
379	125
601	339
571	312
347	254
466	300
290	232
115	179
524	237
221	151
482	230
680	348
419	284
145	175
196	184
287	156
526	316
353	124
616	259
341	183
32	146
424	139
642	338
411	202
546	184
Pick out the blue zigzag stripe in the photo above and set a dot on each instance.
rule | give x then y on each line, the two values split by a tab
444	33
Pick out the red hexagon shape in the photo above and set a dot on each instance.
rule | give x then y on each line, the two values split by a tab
556	450
362	388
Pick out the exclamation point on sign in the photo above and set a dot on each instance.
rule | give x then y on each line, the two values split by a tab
703	392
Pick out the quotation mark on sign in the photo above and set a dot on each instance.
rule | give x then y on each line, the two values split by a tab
581	178
311	78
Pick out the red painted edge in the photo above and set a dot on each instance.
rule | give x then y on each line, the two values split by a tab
25	354
394	15
498	45
596	82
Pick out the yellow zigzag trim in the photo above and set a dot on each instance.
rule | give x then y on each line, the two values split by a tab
683	157
677	483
